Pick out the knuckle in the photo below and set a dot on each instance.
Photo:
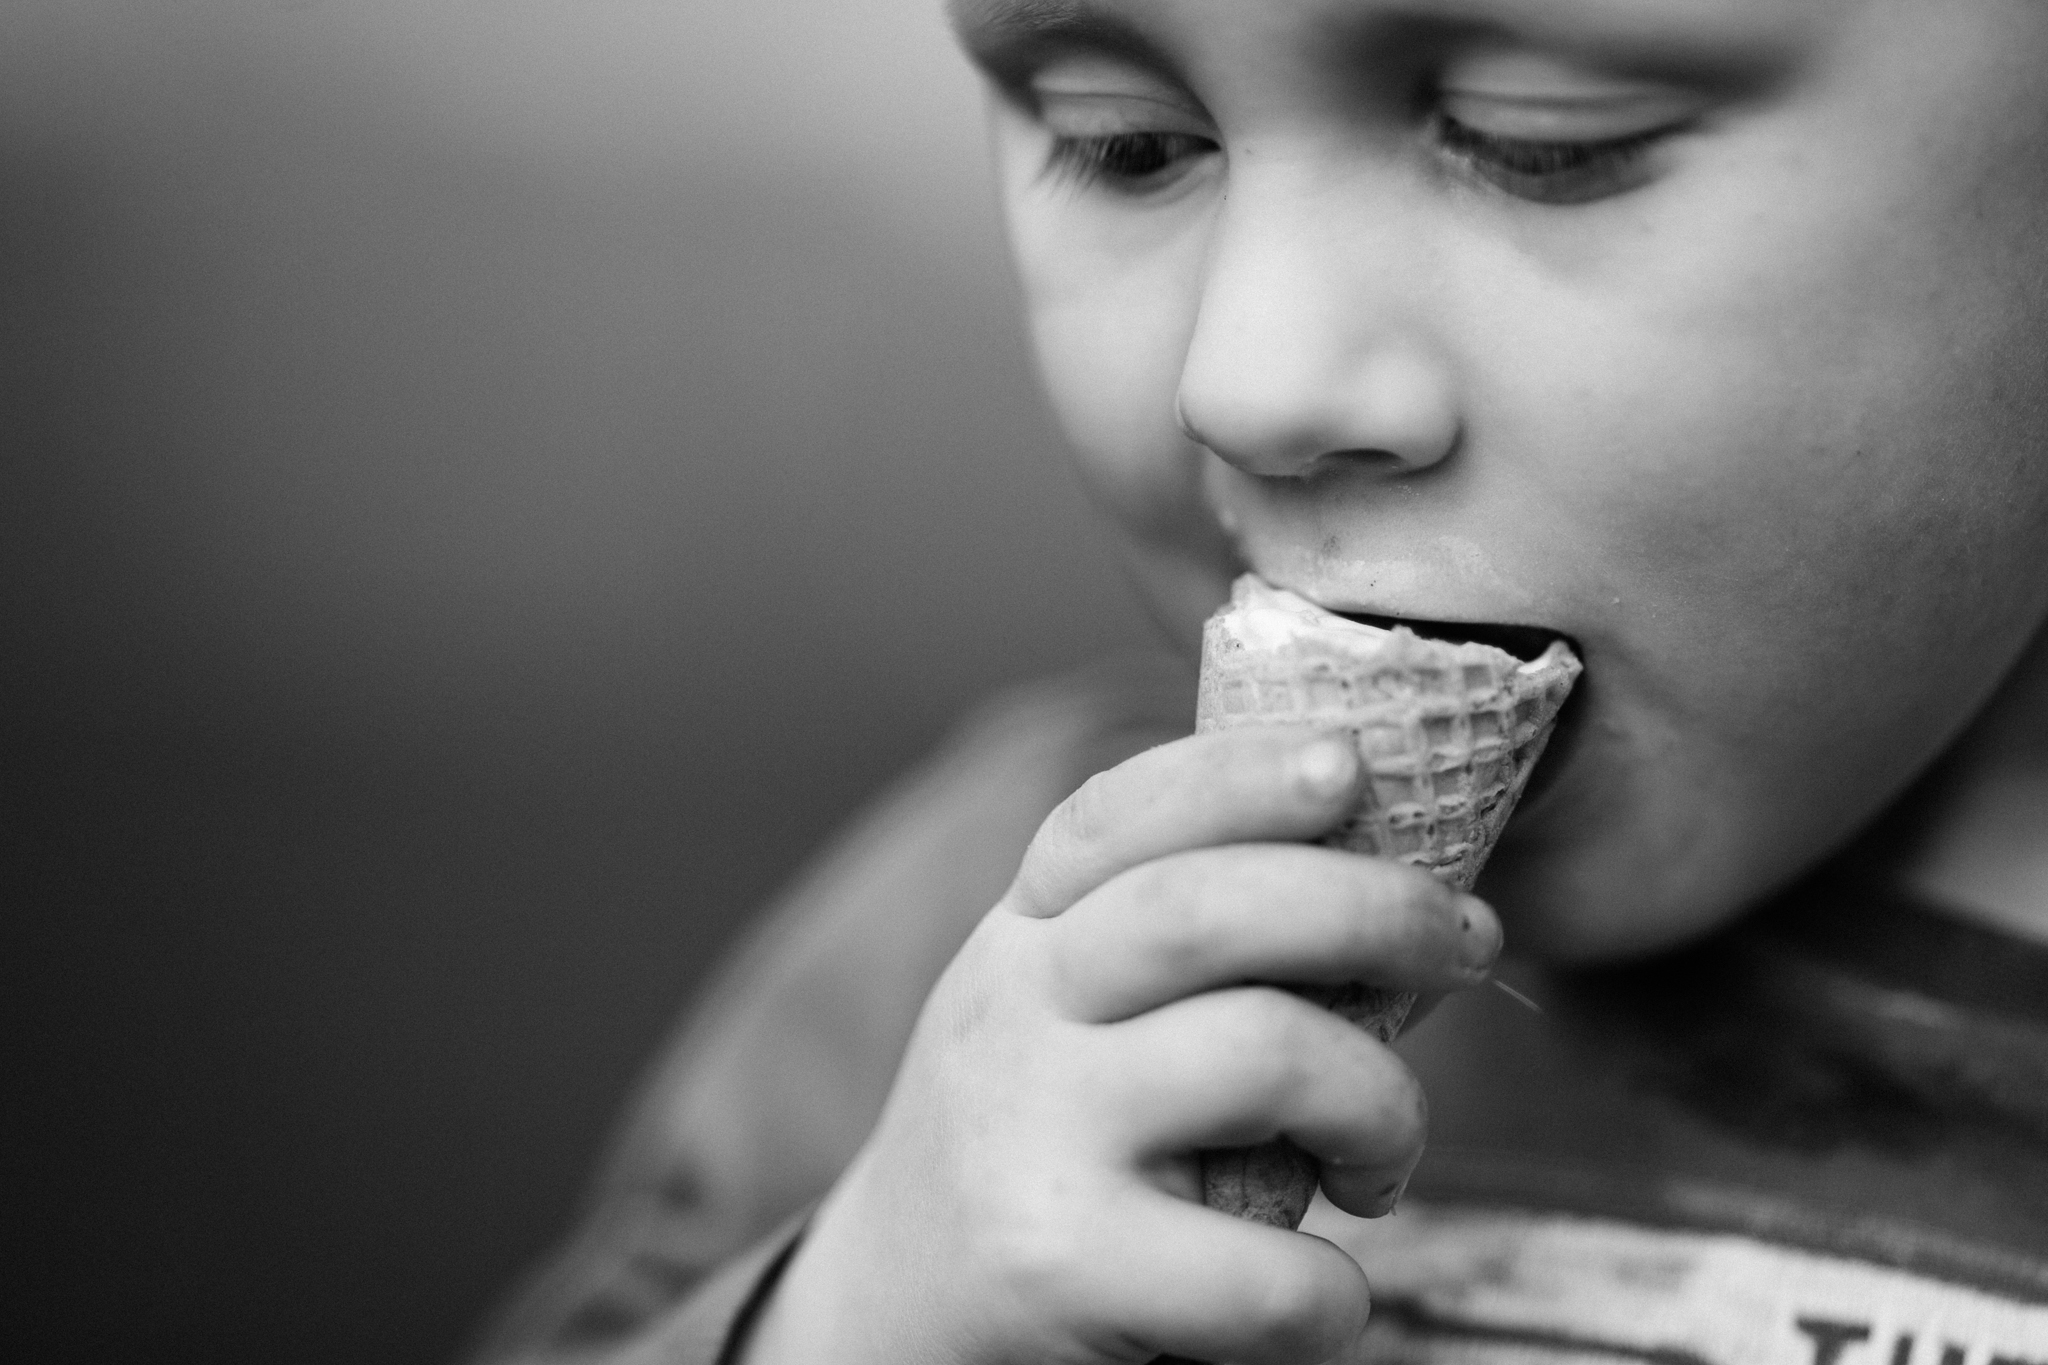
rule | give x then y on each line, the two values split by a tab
1180	925
1182	922
1037	1261
1271	1019
1152	884
1063	849
1086	816
1176	956
1404	1107
1032	893
1279	1030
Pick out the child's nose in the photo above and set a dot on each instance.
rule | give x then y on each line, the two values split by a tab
1307	352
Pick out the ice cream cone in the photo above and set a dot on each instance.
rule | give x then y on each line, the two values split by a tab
1449	733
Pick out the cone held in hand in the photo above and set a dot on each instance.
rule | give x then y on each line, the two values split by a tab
1449	733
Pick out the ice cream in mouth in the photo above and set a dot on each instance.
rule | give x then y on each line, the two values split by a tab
1524	642
1262	617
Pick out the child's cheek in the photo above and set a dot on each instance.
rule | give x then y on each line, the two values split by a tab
1811	415
1809	502
1808	487
1111	305
1815	596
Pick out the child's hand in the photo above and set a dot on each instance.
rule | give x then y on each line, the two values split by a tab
1030	1193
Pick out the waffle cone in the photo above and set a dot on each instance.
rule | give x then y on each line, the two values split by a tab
1449	733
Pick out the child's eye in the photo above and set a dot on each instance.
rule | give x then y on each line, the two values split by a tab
1545	129
1550	170
1129	163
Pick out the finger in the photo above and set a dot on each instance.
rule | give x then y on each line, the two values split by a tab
1237	1068
1195	1283
1367	1191
1257	783
1272	912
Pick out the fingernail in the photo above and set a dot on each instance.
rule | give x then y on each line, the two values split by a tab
1327	767
1389	1199
1478	934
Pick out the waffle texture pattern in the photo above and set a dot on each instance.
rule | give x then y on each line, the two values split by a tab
1449	733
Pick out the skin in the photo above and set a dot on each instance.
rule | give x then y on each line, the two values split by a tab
1029	1193
1759	433
1750	409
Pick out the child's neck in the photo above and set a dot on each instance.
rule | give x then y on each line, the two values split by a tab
1979	845
1985	857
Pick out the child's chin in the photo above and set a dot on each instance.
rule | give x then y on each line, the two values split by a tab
1580	879
1555	920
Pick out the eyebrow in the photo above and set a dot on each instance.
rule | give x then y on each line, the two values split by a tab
1742	45
1010	38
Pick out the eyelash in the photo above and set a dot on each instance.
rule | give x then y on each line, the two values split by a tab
1129	163
1549	172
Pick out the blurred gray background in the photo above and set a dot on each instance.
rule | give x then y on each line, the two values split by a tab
488	485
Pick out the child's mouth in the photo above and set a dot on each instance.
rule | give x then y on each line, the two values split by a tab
1524	642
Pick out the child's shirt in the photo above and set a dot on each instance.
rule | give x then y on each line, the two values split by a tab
1820	1138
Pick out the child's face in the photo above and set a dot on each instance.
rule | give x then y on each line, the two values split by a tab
1711	333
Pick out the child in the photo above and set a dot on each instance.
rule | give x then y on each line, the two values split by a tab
1708	333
